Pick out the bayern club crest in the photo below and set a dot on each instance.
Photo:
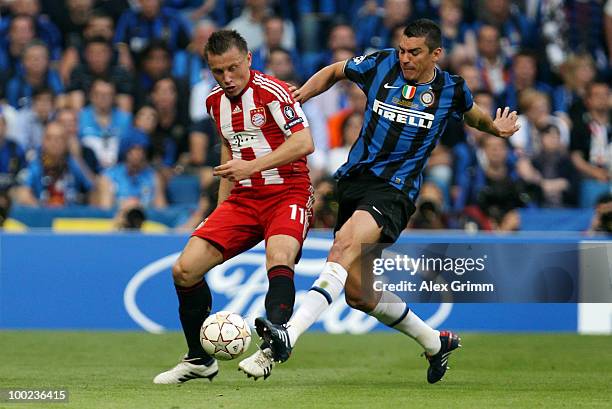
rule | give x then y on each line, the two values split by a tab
258	116
427	98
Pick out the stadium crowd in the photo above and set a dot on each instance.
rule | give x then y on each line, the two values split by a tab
102	101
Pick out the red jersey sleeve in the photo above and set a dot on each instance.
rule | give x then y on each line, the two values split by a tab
287	112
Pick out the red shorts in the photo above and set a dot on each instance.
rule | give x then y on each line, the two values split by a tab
248	216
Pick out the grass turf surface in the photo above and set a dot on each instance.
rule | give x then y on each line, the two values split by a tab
384	370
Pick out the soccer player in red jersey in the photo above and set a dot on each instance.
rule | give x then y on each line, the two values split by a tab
265	193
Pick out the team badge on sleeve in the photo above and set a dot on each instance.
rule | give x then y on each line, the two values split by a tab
288	112
258	116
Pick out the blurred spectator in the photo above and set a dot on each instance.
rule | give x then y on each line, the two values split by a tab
471	75
554	171
535	115
591	144
86	157
31	121
577	72
71	16
12	159
356	103
280	65
5	207
250	25
341	37
21	31
54	178
36	73
602	219
468	154
351	127
495	191
325	206
161	153
608	29
137	28
45	29
101	124
204	148
523	76
273	27
491	62
98	54
200	77
514	28
586	19
374	26
429	212
156	64
173	122
458	38
190	63
99	25
132	180
551	22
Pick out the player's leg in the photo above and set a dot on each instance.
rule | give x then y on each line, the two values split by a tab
286	225
195	301
231	229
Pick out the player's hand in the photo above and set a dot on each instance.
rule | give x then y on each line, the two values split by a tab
296	93
235	170
506	122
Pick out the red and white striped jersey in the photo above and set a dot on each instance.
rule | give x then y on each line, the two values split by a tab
258	121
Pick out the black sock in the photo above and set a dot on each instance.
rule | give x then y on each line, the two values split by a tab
281	294
194	306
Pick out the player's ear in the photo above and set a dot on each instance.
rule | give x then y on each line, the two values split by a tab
249	58
436	54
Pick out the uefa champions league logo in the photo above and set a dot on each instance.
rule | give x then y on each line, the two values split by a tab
243	282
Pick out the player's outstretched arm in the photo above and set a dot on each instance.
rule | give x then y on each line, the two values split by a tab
297	145
225	185
504	125
320	82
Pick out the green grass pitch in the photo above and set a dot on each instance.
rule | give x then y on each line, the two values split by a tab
384	370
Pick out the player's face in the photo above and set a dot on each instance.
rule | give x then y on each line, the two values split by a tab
231	70
417	61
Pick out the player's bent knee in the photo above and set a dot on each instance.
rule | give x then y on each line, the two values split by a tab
183	276
356	299
280	258
344	249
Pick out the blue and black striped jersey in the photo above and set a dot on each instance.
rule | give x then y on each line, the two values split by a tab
403	121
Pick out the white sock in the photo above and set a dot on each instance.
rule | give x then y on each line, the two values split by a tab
324	291
394	312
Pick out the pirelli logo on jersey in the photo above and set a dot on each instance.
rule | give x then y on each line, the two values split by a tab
403	115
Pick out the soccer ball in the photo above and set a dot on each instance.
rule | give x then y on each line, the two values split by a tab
225	335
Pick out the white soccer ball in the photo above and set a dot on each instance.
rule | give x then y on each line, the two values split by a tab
225	335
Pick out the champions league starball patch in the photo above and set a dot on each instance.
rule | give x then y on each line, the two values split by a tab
258	116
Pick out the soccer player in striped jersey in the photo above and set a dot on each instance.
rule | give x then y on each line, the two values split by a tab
265	194
409	103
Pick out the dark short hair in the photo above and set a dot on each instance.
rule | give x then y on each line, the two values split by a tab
221	41
425	28
98	40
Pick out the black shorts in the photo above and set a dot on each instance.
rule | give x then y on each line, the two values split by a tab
390	207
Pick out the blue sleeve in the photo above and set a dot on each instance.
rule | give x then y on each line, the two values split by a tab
12	92
55	83
465	101
362	68
179	64
123	24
